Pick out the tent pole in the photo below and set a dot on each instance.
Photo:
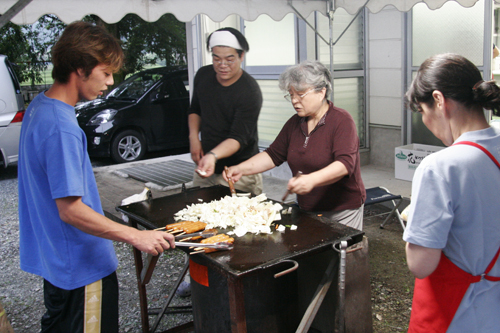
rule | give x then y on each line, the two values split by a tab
13	11
331	11
306	22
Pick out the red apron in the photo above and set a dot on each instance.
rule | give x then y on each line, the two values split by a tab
437	297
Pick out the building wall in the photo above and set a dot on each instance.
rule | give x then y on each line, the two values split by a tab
385	84
385	40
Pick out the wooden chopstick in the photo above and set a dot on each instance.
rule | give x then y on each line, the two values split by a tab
230	182
297	175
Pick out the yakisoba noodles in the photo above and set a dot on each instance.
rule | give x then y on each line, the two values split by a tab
244	214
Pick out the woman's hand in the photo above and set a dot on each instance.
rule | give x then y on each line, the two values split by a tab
233	172
300	184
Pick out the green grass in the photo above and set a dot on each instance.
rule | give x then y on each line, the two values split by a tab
47	75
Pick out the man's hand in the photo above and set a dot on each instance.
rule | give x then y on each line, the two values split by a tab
153	242
206	166
73	211
194	122
196	150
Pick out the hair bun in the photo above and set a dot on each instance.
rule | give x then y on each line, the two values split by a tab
487	93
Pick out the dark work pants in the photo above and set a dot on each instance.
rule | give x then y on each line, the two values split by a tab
83	309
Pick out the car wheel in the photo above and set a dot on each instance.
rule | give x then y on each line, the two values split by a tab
128	146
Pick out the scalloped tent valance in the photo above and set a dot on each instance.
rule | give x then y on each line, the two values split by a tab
111	11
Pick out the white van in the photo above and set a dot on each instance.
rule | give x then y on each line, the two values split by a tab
11	113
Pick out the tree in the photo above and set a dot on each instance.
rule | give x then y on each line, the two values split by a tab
148	43
28	46
144	43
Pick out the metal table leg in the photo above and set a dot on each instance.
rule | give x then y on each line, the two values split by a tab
144	272
143	299
171	295
342	274
323	287
237	305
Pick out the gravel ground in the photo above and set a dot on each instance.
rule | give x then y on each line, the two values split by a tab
21	293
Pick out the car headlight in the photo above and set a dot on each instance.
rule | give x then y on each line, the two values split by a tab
102	117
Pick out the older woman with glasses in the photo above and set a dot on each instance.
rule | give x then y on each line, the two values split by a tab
321	147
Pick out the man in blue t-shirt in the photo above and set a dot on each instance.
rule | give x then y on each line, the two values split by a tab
64	235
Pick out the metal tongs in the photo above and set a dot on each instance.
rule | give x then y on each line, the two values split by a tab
220	245
202	234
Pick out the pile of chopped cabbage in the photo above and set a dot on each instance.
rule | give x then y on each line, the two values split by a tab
242	213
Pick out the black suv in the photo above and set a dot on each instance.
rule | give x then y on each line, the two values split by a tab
146	112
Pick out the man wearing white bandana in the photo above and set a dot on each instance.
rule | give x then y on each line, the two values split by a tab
224	109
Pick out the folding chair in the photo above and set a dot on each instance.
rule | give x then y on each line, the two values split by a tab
380	194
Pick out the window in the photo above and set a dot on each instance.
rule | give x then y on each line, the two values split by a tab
451	28
277	45
348	51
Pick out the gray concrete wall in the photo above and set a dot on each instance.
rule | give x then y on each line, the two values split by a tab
365	156
385	67
385	73
383	140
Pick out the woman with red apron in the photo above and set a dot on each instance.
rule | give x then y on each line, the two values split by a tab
453	232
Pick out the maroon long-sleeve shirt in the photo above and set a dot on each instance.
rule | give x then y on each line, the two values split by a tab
333	139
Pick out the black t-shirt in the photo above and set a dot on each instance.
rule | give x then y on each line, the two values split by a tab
227	112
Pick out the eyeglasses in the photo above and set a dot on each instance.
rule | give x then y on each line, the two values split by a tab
289	97
223	62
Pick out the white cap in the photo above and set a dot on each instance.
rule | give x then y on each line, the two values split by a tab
224	38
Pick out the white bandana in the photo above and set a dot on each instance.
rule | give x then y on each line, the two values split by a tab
224	38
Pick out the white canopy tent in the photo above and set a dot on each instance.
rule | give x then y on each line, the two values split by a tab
111	11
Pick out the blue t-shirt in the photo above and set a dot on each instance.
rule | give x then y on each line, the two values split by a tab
54	163
455	208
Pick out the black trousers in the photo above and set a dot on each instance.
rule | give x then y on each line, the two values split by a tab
91	308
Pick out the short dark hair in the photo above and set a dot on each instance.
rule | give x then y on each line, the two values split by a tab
456	78
239	36
83	46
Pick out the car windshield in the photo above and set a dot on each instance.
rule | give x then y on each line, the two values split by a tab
135	86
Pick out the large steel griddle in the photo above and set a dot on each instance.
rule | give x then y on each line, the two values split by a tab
251	253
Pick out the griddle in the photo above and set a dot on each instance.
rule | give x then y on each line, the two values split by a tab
252	259
251	252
